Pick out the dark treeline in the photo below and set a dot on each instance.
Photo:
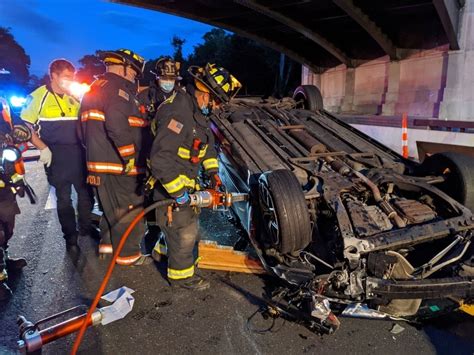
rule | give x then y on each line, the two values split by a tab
261	70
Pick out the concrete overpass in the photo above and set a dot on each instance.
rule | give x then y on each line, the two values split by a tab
368	57
325	33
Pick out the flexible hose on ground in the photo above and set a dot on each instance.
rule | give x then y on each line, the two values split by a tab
111	267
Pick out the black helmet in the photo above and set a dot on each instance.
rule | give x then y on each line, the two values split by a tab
123	57
217	81
167	67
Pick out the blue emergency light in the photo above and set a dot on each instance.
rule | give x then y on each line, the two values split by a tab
17	101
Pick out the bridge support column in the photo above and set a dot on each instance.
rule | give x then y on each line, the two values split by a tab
349	91
390	99
458	95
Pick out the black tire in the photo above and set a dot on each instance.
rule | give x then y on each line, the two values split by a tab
458	170
310	96
288	226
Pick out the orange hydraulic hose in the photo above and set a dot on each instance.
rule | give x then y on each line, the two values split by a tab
110	269
62	329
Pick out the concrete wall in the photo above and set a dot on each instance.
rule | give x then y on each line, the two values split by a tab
435	83
458	100
392	137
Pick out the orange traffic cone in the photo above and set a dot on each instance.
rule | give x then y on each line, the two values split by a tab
405	135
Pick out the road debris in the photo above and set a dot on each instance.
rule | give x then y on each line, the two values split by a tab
397	329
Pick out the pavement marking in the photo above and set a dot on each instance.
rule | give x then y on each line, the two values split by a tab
246	334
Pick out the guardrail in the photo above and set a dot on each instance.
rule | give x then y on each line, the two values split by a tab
445	125
416	123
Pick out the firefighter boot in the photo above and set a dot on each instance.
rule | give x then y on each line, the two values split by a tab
193	283
143	260
71	241
14	264
5	292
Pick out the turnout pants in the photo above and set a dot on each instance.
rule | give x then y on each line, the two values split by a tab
181	239
8	210
68	169
120	203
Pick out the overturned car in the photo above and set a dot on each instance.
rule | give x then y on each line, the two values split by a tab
347	224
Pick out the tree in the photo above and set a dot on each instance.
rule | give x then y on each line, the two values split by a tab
36	81
177	43
91	67
14	59
261	70
214	49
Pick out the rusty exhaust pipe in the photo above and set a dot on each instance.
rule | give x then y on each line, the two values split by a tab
384	205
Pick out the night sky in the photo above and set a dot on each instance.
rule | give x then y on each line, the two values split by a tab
49	29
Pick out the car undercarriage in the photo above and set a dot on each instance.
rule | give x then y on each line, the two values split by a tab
344	222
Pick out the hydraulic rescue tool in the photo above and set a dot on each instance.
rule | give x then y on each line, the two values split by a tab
32	338
216	200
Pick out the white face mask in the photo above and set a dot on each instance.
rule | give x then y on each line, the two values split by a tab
166	85
65	84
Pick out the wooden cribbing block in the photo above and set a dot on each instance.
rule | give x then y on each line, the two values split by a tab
217	257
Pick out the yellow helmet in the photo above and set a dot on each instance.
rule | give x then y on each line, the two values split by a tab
215	80
123	57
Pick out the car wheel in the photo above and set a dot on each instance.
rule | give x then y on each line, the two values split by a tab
458	170
284	211
309	96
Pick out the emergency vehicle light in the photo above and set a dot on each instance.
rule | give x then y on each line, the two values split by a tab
77	89
17	101
11	154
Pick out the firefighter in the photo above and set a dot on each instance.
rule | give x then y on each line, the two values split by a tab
11	184
167	82
184	145
112	128
52	113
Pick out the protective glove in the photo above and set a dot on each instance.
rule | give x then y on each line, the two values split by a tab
183	199
46	157
150	185
215	182
129	166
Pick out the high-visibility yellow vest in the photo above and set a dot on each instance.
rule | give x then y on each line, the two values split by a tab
55	116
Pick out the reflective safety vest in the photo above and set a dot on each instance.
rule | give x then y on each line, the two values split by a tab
183	144
54	115
113	130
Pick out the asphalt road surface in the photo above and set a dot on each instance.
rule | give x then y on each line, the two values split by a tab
168	322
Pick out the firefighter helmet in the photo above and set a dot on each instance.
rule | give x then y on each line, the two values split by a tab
123	57
216	81
167	68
